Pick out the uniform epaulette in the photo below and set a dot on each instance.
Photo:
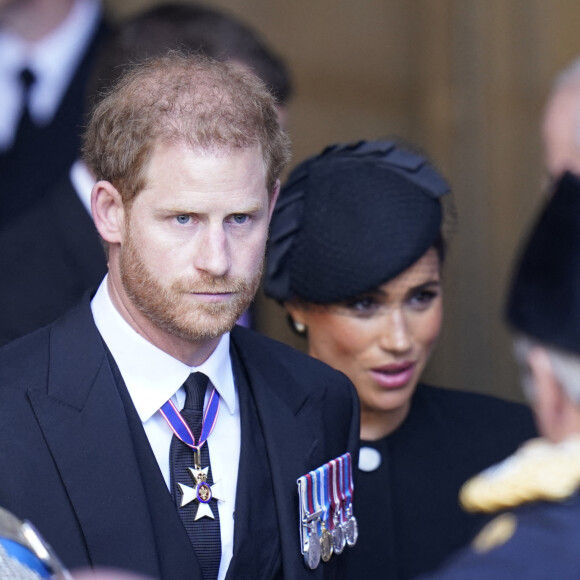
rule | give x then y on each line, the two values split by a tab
539	470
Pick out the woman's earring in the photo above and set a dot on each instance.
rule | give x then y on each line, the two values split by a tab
300	328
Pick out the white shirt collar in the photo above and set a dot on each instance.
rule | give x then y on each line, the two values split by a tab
151	375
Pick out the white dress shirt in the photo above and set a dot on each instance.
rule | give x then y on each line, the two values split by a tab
153	377
53	60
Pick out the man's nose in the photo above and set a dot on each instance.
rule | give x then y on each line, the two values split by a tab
212	251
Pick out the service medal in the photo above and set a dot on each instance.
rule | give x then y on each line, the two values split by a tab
326	544
350	523
322	504
338	538
309	518
312	551
351	531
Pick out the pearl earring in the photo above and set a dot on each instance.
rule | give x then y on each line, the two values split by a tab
300	328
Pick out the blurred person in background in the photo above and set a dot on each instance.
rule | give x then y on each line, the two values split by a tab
535	492
47	49
561	123
355	255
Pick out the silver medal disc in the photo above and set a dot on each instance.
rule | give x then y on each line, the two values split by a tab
338	539
351	531
312	552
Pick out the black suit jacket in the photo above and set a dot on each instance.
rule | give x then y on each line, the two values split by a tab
49	257
68	463
39	158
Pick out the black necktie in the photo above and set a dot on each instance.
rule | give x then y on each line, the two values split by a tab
205	532
25	125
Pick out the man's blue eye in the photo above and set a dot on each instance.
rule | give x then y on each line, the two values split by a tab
182	219
240	218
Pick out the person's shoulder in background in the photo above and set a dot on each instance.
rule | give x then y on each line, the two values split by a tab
51	254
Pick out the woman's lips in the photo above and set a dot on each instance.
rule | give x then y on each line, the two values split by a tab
393	376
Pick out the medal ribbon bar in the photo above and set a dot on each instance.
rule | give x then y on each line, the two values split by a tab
326	523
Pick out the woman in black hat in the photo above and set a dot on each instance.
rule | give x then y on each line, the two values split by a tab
355	255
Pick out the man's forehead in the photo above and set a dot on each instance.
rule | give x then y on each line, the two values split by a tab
175	169
164	150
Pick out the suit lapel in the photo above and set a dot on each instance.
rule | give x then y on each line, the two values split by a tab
288	413
256	536
84	424
282	401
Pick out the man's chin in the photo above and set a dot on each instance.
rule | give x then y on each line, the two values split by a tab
206	325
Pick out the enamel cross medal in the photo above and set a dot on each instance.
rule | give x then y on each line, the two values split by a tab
201	492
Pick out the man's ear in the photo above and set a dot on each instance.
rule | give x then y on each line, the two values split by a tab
550	401
273	198
108	212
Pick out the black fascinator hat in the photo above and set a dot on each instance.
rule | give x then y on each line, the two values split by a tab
544	298
350	219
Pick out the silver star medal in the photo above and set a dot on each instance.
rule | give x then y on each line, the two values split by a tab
202	493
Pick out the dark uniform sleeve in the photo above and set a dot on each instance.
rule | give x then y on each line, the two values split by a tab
535	542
